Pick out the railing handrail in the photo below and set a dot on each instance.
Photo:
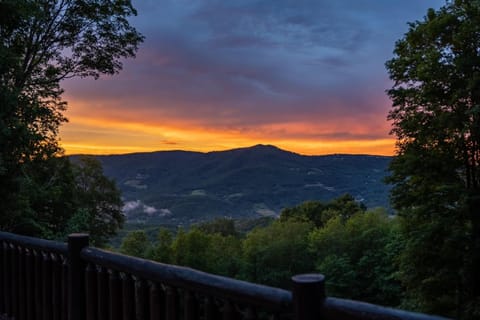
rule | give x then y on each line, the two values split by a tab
35	243
306	301
336	308
254	294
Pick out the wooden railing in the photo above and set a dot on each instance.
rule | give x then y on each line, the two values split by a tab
44	280
33	278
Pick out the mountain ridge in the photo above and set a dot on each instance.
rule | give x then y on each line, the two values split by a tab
253	147
185	187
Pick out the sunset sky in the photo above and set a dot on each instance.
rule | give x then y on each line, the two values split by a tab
305	75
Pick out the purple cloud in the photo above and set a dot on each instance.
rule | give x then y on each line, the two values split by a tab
245	63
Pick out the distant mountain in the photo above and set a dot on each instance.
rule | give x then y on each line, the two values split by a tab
184	187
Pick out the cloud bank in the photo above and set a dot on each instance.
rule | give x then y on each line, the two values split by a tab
277	70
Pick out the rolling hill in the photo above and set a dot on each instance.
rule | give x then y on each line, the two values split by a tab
185	187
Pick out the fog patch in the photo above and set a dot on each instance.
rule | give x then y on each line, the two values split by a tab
136	207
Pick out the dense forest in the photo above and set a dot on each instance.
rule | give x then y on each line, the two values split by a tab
425	258
355	247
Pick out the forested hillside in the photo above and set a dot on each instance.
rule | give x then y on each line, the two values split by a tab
354	247
249	182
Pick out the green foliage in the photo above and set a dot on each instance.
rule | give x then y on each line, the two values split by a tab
213	253
436	118
274	253
224	255
99	198
431	251
162	251
47	197
135	244
357	256
58	197
190	249
307	211
319	213
222	226
79	222
248	224
357	252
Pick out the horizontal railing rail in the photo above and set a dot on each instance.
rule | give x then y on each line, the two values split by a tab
34	243
343	309
181	291
190	279
43	280
33	278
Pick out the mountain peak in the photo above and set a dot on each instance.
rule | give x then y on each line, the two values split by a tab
263	148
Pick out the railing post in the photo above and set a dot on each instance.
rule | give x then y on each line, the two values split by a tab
308	293
76	276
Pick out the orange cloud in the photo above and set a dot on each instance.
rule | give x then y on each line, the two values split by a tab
102	135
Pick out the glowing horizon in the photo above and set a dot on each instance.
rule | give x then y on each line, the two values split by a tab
84	135
376	148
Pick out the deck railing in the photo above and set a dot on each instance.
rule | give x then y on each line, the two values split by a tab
44	280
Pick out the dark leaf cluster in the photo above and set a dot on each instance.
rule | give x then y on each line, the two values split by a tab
435	174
